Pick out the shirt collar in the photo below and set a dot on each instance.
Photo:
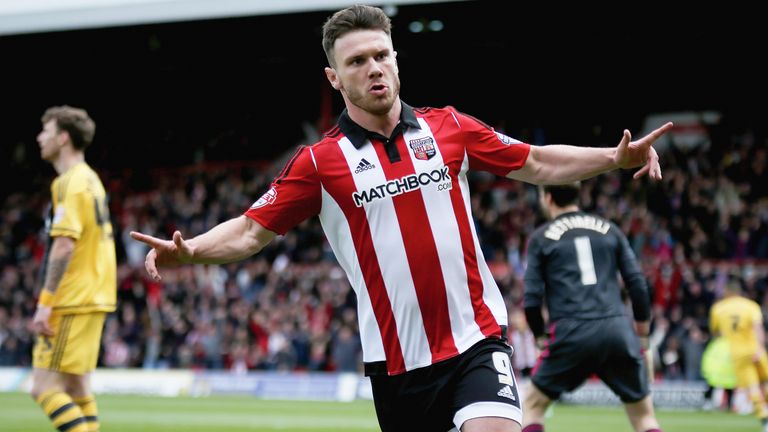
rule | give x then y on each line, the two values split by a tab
359	135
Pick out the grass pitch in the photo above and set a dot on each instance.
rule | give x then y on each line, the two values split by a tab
219	414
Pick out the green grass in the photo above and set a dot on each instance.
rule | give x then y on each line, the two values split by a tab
218	414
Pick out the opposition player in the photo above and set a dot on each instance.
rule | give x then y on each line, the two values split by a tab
573	264
80	275
740	321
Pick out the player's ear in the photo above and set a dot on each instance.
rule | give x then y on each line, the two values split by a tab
333	78
62	137
394	55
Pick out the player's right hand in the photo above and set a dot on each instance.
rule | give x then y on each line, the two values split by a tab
40	323
164	253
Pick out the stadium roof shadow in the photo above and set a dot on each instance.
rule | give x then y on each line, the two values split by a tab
241	88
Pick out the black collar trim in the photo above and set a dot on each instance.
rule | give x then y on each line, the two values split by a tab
359	135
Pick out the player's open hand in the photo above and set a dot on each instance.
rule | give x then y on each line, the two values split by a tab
164	253
632	154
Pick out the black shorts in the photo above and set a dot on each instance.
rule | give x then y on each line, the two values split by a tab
477	383
606	347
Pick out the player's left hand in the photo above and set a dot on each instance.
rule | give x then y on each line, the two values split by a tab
40	323
648	357
164	253
632	154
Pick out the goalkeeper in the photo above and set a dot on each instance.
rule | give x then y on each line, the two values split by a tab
573	264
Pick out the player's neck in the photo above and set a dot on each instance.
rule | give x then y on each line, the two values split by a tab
555	211
383	124
67	160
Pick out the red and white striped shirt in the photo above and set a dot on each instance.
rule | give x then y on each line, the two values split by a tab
396	212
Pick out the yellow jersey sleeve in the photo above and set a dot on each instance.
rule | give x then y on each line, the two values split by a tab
714	325
68	210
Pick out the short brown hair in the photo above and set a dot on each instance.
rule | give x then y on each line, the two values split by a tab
74	121
357	17
734	285
563	195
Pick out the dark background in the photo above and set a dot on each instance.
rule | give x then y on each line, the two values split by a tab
239	89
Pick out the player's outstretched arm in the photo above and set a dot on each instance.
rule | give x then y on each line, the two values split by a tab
230	241
561	164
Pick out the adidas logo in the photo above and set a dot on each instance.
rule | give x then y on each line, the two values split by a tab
507	393
364	165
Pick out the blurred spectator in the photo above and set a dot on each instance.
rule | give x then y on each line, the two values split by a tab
672	359
521	337
291	307
346	350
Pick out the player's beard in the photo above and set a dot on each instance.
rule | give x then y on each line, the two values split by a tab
376	105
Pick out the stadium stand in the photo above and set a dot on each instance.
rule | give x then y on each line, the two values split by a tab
291	308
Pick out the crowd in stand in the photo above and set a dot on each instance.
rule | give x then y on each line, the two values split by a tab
291	307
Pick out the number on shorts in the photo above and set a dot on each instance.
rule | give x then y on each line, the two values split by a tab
501	362
586	261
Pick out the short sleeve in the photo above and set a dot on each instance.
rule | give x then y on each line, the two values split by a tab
295	195
69	208
489	150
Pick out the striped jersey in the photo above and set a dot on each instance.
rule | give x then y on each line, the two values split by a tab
80	211
396	212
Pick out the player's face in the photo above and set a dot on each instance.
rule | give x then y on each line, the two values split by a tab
50	141
366	70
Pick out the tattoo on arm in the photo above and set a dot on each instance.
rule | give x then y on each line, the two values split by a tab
56	268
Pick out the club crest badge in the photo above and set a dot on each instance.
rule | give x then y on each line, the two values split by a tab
423	148
506	140
268	198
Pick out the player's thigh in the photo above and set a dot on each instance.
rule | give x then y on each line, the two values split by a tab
44	380
74	346
416	400
762	367
567	361
77	385
747	371
479	383
486	387
623	369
